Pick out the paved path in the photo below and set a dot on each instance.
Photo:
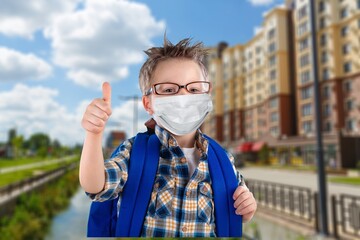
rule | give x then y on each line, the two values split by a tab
296	178
34	165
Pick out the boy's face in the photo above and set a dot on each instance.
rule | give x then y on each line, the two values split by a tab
179	71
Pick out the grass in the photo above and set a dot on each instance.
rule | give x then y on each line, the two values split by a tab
346	180
12	177
21	161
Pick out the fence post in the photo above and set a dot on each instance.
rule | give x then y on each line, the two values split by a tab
316	212
334	216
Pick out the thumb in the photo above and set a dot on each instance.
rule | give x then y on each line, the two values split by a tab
106	91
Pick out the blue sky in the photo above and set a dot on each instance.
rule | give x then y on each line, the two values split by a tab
54	55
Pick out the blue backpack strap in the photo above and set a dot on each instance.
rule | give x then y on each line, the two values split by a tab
228	224
103	215
129	194
101	219
146	183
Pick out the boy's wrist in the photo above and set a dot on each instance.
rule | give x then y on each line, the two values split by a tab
94	135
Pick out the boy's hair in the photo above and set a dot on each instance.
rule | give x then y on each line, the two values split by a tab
182	50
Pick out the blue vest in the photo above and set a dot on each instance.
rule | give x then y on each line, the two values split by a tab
103	220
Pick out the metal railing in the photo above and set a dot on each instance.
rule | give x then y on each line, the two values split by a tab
346	215
292	200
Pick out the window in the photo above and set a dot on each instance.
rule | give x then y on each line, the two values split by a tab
273	75
272	61
303	28
323	40
321	6
271	34
322	23
348	86
344	13
326	74
349	104
327	127
273	103
302	12
307	126
307	109
272	47
304	44
351	124
274	131
306	92
273	89
347	67
346	48
274	117
304	60
326	110
324	57
344	31
326	92
258	62
305	77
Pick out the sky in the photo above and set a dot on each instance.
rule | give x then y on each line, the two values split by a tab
55	55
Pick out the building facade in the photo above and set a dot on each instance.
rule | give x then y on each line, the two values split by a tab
263	90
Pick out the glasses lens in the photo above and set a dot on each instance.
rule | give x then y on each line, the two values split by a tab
198	87
166	88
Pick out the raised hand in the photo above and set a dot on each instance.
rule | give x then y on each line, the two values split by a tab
98	112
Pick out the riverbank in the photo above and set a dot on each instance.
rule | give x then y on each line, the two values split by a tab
34	211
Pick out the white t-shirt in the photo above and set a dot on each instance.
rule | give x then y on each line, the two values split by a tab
192	158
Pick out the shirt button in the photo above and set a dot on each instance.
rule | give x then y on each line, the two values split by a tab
188	193
183	160
156	185
184	229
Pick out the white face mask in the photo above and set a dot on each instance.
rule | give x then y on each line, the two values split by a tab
181	114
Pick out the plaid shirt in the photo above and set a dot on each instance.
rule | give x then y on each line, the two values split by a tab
180	205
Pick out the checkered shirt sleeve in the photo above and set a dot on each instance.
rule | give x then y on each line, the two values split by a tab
116	173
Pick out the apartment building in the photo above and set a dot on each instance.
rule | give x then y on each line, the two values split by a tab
263	90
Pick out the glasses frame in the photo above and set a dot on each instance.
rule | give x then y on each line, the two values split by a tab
152	89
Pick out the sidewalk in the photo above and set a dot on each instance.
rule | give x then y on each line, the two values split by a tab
296	178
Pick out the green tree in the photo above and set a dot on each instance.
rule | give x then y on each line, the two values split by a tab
40	143
11	135
17	144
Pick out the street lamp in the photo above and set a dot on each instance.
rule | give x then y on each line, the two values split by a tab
135	99
322	200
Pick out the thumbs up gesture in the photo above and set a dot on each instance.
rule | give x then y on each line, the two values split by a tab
98	112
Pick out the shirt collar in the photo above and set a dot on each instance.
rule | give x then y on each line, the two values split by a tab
167	140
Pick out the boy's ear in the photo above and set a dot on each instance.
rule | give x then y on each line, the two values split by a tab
146	100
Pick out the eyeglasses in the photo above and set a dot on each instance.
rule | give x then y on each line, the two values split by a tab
198	87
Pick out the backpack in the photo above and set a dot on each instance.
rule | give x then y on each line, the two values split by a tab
103	220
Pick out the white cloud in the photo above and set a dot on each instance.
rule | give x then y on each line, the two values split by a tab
18	18
100	41
35	109
261	2
19	66
122	118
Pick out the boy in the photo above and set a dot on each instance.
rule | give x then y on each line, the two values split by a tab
176	93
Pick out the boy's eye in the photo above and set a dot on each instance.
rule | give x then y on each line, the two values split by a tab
194	90
168	90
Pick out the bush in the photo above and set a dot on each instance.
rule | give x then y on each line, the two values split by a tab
33	213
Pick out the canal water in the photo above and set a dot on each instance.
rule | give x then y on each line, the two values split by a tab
72	222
